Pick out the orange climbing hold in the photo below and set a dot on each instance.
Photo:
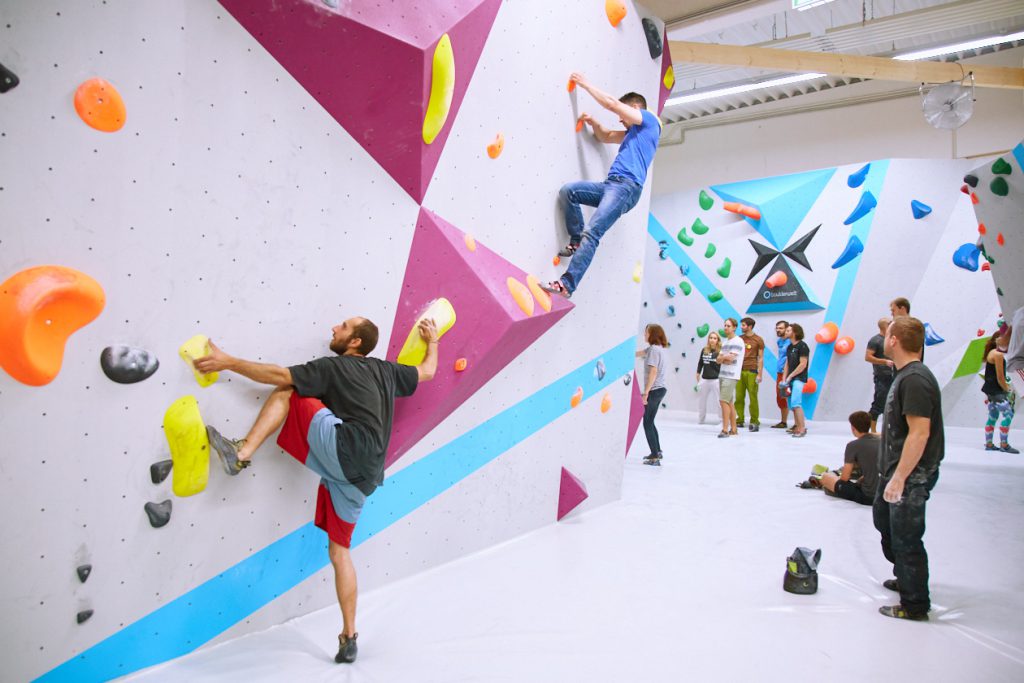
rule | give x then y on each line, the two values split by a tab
555	261
542	297
810	387
606	403
100	105
616	11
579	125
827	334
743	210
40	308
470	242
982	229
974	198
1000	240
460	364
844	345
576	397
521	294
777	279
571	86
494	149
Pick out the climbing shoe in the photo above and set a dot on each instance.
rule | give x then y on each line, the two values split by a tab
898	612
227	449
556	287
1007	448
347	649
891	584
568	250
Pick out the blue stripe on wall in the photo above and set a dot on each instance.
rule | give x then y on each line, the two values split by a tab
1018	154
701	281
208	610
843	287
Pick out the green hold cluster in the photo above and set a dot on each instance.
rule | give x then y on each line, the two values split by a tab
706	202
684	238
715	296
725	268
1002	167
685	288
710	251
999	186
699	228
702	330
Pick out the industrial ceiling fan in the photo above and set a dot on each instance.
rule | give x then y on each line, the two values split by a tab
949	105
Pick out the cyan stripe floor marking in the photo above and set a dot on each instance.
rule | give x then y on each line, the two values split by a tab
843	287
208	610
701	281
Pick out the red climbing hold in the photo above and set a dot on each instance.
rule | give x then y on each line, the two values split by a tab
1001	240
982	229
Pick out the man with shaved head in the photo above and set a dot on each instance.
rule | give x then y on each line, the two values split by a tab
882	369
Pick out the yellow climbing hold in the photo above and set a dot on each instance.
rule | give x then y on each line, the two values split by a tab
470	243
415	349
521	293
542	297
197	347
576	397
442	87
638	272
606	403
670	77
190	448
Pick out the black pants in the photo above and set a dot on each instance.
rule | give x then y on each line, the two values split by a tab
650	410
902	528
882	385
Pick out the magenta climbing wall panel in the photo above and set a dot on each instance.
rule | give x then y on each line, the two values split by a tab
270	180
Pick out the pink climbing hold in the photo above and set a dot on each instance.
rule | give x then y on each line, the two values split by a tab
571	492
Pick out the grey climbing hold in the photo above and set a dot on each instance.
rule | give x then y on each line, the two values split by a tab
599	369
84	615
83	572
126	364
626	379
158	471
159	513
655	45
7	79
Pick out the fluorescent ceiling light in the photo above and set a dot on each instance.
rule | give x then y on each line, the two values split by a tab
801	5
737	89
961	47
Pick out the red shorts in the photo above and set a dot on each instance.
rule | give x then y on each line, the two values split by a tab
293	440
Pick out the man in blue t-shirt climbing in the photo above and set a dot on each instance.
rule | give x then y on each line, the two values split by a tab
616	195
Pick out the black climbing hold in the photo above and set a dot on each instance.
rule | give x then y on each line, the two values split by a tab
645	304
971	179
679	325
654	42
126	364
84	615
83	572
158	471
626	379
677	369
999	291
159	513
7	79
684	354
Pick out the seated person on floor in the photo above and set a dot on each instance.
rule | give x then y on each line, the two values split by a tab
861	454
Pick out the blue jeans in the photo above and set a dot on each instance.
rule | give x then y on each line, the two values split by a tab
612	198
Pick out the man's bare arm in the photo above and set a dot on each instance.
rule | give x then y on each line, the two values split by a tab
264	373
428	368
629	115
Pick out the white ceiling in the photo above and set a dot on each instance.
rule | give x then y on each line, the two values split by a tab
862	27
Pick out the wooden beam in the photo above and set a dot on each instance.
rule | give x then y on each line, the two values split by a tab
855	66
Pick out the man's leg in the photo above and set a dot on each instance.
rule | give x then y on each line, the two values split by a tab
781	401
755	408
618	198
345	585
880	514
272	416
906	520
571	196
828	481
741	394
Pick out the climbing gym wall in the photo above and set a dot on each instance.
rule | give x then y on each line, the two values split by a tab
828	249
254	173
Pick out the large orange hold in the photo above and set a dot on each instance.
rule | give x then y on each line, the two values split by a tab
521	294
810	387
100	105
494	149
827	334
616	11
542	297
844	345
40	308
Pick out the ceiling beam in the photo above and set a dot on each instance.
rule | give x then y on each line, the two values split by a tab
878	68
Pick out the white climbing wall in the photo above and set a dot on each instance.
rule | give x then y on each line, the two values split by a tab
231	204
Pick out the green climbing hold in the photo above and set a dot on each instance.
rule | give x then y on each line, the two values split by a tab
699	228
685	288
710	251
721	333
715	296
999	186
725	268
706	202
684	238
1002	167
702	330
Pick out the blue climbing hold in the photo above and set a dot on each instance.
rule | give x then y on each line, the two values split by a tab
931	337
857	179
684	270
670	290
920	209
966	256
671	310
866	203
853	249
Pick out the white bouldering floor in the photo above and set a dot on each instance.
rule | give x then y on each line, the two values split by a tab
682	580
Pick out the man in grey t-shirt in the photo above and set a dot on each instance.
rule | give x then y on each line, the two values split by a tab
881	369
731	360
862	454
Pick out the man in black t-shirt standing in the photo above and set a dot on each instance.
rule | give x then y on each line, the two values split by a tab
881	369
912	448
335	417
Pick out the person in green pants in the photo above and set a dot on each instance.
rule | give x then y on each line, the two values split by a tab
750	377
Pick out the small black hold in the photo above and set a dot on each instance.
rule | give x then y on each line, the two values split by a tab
677	369
645	304
158	471
126	364
679	325
654	42
684	354
84	615
83	572
626	379
7	79
999	291
971	179
159	513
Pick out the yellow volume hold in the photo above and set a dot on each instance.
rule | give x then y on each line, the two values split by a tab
442	88
415	349
190	447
